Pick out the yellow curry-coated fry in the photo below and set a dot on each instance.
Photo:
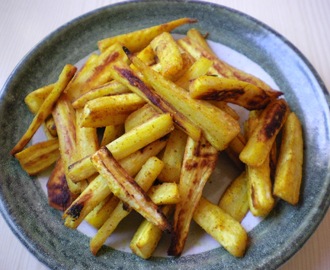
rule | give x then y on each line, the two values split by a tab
289	168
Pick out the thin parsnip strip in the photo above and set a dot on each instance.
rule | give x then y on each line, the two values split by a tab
139	39
39	156
46	108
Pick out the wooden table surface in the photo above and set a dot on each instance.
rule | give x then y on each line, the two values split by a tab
303	22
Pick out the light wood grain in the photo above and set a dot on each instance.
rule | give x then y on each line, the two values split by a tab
304	23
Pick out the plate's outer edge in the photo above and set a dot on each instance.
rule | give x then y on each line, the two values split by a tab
24	205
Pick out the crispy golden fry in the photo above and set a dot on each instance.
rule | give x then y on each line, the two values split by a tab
59	195
147	236
173	157
141	136
139	39
144	179
111	88
220	67
261	141
95	72
199	39
35	99
102	211
199	67
65	120
222	227
124	187
111	133
131	164
259	185
168	54
92	195
86	138
39	156
105	111
140	116
46	107
165	193
218	127
124	74
128	143
235	201
198	164
83	169
289	168
233	91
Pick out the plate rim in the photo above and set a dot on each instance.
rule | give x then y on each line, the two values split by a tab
32	247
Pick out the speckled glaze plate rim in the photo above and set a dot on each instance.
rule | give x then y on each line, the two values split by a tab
40	228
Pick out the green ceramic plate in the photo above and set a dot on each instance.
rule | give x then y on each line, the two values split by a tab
272	242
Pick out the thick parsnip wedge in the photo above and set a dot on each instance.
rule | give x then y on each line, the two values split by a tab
198	164
218	127
288	175
258	146
39	156
147	236
234	149
124	187
139	39
145	178
173	157
233	91
124	74
111	88
168	54
235	201
59	195
35	99
46	108
222	227
65	121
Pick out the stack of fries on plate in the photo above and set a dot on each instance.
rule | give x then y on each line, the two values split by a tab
140	127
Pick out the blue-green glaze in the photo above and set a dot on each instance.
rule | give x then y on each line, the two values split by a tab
40	228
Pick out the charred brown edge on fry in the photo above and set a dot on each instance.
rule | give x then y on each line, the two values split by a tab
103	151
153	97
274	119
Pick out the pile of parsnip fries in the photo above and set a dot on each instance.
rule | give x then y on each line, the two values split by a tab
140	127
